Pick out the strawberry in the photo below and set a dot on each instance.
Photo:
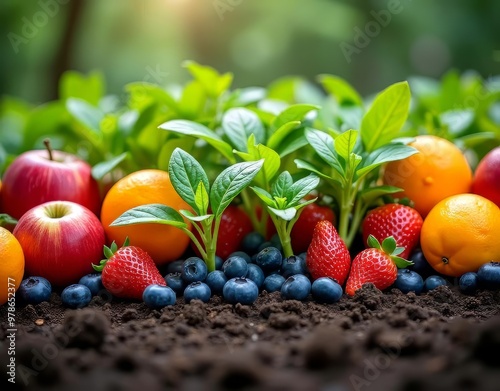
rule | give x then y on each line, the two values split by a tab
127	271
327	255
378	265
400	221
302	231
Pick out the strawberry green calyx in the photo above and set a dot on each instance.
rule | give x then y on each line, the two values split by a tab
108	253
389	246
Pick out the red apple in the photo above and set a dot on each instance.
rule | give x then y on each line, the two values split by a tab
60	240
34	178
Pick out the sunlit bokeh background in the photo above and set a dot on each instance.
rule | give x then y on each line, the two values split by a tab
258	40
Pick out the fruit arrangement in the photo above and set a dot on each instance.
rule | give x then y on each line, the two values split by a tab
247	197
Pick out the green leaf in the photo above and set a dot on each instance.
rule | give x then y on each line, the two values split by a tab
201	198
323	144
88	88
85	113
264	196
230	183
370	194
6	219
373	242
151	213
193	100
386	116
185	143
286	214
101	169
292	113
283	131
186	174
213	82
194	129
302	164
344	144
292	142
282	184
385	154
389	245
190	216
143	94
239	123
344	93
300	189
401	263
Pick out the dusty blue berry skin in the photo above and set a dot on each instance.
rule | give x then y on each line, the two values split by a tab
256	274
432	282
218	262
175	282
293	265
76	296
34	290
296	287
251	242
197	290
326	290
241	254
489	275
175	266
269	259
273	283
468	283
240	290
216	281
409	281
420	264
93	281
194	269
235	267
158	296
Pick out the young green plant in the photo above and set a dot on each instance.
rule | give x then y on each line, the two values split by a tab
285	203
207	202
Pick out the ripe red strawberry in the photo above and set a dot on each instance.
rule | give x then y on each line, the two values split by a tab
378	265
400	221
127	271
302	231
327	255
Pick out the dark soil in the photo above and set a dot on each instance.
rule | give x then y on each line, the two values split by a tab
442	340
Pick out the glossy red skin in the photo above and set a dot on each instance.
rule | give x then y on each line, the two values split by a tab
234	226
486	180
327	255
371	265
302	231
400	221
60	249
32	179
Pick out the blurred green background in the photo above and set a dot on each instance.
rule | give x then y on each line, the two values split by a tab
257	40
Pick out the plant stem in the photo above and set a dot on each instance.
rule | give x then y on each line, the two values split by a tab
46	142
285	240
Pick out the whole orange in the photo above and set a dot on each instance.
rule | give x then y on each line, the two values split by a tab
437	171
460	234
163	243
11	265
486	180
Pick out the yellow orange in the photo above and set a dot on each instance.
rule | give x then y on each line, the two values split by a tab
11	265
460	234
163	243
437	171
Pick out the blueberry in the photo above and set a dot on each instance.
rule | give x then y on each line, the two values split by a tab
240	290
34	290
197	290
251	242
93	281
269	259
175	281
76	296
293	265
216	281
489	275
420	264
303	255
276	242
264	245
468	283
408	281
432	282
175	266
158	296
273	283
235	267
194	269
256	274
241	254
218	262
326	290
296	287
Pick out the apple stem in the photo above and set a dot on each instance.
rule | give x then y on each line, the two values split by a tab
46	142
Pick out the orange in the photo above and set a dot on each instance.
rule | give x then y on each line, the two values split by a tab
460	234
437	171
11	265
163	243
